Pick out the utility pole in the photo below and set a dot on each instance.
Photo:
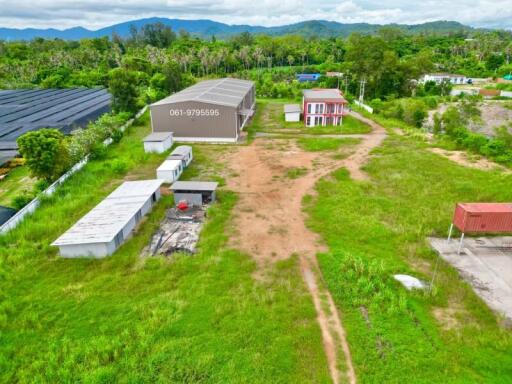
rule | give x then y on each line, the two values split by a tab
346	81
361	90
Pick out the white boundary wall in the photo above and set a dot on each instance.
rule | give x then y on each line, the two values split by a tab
364	106
32	206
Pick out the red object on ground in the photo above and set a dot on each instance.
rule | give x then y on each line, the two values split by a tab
182	205
483	217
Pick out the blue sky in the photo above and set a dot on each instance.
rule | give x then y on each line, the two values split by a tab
94	14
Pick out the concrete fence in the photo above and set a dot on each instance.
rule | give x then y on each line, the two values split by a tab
364	106
34	204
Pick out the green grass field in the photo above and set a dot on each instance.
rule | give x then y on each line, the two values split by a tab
316	144
199	319
379	228
17	182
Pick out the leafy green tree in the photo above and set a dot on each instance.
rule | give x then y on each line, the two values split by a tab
494	61
45	153
123	87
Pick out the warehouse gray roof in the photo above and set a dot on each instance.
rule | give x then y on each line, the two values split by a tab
194	186
291	108
323	94
105	220
157	136
226	91
25	110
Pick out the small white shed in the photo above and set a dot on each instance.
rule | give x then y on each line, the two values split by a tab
183	153
170	170
158	142
292	112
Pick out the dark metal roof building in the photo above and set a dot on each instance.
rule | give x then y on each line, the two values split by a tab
6	213
24	110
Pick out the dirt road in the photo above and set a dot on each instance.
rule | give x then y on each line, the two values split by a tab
270	223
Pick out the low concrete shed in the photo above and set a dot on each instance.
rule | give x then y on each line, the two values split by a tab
196	193
158	142
101	231
292	112
183	153
170	170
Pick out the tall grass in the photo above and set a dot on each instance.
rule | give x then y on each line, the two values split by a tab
189	319
378	228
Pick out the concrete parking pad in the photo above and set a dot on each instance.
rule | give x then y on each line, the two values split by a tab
485	263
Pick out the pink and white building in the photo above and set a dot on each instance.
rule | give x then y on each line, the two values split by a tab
323	107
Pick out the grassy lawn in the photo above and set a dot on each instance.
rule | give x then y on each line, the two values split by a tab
379	228
192	319
315	144
269	117
16	183
350	126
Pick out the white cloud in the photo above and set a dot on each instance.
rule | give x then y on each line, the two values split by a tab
95	14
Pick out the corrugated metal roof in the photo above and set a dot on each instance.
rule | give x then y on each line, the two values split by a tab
323	94
226	91
27	110
6	213
157	136
487	207
169	165
105	220
181	150
194	186
292	108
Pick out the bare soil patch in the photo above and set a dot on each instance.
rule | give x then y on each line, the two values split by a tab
462	158
269	223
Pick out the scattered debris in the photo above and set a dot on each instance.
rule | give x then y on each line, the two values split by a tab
178	232
410	282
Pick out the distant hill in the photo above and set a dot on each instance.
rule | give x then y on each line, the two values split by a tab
208	28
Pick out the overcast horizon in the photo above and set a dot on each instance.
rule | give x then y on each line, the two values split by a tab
96	14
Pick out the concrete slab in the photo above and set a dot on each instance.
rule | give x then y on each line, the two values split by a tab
485	263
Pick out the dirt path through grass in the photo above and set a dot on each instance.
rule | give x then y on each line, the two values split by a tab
269	223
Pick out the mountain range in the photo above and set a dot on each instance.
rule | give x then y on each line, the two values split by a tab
208	28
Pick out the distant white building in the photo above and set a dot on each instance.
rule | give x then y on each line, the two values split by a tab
438	78
292	112
101	231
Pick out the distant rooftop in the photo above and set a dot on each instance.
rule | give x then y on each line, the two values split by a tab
226	91
444	75
157	137
194	186
181	150
291	108
324	94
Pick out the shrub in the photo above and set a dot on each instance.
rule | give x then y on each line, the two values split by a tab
98	151
45	153
119	166
21	200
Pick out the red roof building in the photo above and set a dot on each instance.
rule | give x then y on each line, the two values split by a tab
323	107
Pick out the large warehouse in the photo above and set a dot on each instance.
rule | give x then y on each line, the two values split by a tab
209	111
24	110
